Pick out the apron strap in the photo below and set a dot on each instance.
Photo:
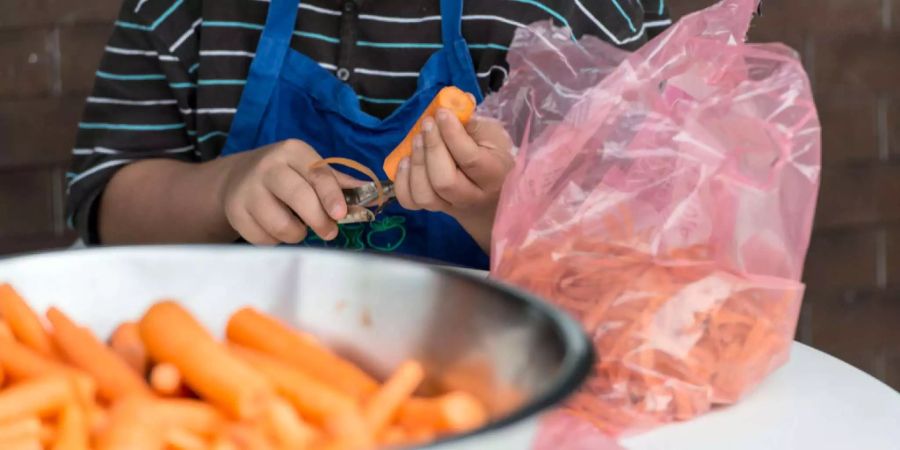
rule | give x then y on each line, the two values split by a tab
265	69
451	21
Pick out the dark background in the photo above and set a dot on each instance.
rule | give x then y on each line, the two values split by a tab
50	49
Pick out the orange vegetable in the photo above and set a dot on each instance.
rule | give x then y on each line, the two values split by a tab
72	430
452	98
455	412
287	428
28	443
191	415
24	323
166	380
126	342
259	331
314	400
115	379
38	397
129	428
380	409
21	362
2	376
25	428
172	335
181	439
6	333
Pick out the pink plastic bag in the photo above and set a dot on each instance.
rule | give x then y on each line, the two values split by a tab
665	198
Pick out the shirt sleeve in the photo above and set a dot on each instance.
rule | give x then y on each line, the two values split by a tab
656	17
133	113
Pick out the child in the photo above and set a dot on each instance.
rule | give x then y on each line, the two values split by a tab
207	115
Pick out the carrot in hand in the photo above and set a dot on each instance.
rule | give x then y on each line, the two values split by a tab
452	98
380	409
125	340
172	335
24	322
115	378
267	334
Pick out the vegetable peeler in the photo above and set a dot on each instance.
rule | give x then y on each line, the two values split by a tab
361	201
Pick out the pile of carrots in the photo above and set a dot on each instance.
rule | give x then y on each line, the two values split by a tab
675	333
165	383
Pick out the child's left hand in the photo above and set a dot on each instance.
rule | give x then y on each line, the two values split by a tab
458	170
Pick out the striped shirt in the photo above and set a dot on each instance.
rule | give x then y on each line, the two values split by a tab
173	71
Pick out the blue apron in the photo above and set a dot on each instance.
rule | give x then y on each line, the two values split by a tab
288	95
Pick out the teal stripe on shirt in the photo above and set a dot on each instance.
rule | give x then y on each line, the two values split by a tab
625	15
129	77
209	136
136	26
231	24
129	127
397	44
662	7
221	82
382	101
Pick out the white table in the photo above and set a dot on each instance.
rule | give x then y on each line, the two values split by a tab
814	402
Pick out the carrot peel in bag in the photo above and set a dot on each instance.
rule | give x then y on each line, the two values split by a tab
665	199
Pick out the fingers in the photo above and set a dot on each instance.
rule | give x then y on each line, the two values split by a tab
300	195
402	186
275	219
250	230
481	149
301	157
447	180
421	182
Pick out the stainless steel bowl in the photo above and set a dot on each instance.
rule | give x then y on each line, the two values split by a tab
518	354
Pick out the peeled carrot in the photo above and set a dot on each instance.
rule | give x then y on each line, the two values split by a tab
452	98
115	379
166	380
191	415
38	397
28	443
21	362
286	427
314	400
248	437
125	340
28	427
454	412
24	322
181	439
2	376
172	335
397	389
259	331
72	430
6	333
129	429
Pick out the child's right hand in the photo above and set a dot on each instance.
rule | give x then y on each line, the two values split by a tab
270	195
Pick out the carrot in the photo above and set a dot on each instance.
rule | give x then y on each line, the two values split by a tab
47	435
172	335
73	429
27	443
129	429
287	428
25	428
24	323
314	400
181	439
380	409
191	415
115	379
166	380
6	333
455	412
259	331
248	437
2	376
37	397
21	362
452	98
126	342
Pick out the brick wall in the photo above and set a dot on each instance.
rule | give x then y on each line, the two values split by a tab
50	49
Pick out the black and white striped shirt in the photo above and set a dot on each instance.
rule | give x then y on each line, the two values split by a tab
173	71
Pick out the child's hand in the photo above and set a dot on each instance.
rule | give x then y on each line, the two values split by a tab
458	170
270	195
